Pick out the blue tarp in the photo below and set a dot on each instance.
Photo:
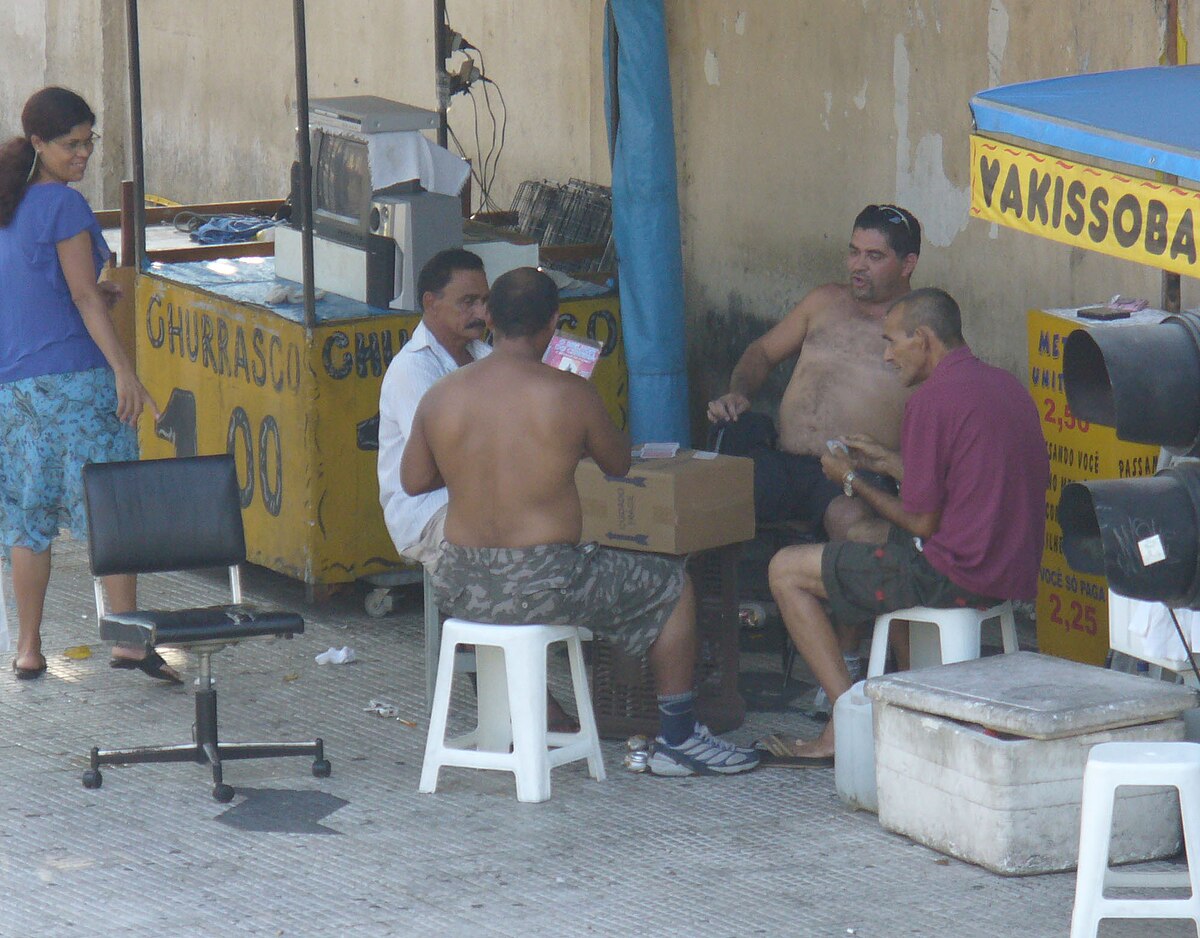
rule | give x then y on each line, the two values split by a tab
1148	117
646	219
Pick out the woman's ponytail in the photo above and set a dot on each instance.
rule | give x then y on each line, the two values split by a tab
17	164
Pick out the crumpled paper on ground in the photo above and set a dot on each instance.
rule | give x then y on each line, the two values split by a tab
344	655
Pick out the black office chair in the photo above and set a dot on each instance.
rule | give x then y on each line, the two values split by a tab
180	514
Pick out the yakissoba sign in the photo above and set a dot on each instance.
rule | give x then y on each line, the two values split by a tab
1124	216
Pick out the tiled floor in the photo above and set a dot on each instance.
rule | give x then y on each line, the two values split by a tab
362	853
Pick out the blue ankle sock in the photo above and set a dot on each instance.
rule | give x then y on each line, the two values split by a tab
676	713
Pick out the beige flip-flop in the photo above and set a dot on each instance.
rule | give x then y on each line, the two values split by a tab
777	750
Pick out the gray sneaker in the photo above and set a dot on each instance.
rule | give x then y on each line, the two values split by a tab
854	664
701	754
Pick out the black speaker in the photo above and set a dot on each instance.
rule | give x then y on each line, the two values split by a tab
1142	534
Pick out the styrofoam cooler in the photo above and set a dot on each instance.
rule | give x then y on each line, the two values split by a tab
983	760
854	750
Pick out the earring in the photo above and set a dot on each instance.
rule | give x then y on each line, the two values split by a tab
33	166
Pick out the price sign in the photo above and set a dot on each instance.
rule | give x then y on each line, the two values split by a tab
1072	609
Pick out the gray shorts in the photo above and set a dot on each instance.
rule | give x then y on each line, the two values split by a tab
622	596
864	581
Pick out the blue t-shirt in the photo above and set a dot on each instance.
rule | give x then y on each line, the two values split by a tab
41	331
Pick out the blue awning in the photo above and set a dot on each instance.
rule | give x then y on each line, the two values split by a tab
1148	117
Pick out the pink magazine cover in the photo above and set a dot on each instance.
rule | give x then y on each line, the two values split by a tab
572	353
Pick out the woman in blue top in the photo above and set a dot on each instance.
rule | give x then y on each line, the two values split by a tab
68	392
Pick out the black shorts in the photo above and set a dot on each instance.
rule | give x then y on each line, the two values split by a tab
787	487
866	580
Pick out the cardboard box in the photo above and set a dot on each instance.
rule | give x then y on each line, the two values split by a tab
670	506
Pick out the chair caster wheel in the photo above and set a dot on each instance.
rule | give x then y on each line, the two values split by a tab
321	768
378	603
92	778
223	793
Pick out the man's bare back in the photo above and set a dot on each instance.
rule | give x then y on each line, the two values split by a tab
840	384
505	434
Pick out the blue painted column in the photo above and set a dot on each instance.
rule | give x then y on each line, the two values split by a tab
646	219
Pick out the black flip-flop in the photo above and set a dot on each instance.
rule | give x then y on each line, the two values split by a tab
153	665
27	674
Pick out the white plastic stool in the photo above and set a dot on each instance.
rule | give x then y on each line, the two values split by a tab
1109	766
958	637
511	691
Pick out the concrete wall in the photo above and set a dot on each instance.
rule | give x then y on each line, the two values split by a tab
219	96
79	44
790	115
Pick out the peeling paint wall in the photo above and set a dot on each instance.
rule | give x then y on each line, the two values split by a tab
790	116
819	109
67	42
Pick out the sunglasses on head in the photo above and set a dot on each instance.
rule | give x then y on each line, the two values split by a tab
896	216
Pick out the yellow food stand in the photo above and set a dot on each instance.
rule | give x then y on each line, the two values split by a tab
297	408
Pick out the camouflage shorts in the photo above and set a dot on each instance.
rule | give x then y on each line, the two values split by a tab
622	596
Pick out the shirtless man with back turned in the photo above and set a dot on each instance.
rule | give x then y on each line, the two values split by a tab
839	386
504	435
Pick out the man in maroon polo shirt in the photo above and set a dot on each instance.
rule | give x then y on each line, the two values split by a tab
967	527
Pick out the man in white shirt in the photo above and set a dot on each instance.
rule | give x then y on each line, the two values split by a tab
453	291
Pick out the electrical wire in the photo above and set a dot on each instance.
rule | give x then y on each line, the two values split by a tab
1186	648
488	161
485	172
479	154
497	149
487	101
463	153
488	179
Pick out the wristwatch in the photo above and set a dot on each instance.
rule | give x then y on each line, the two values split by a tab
848	482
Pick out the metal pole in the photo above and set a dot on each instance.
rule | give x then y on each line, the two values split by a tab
440	79
304	148
135	133
1171	291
